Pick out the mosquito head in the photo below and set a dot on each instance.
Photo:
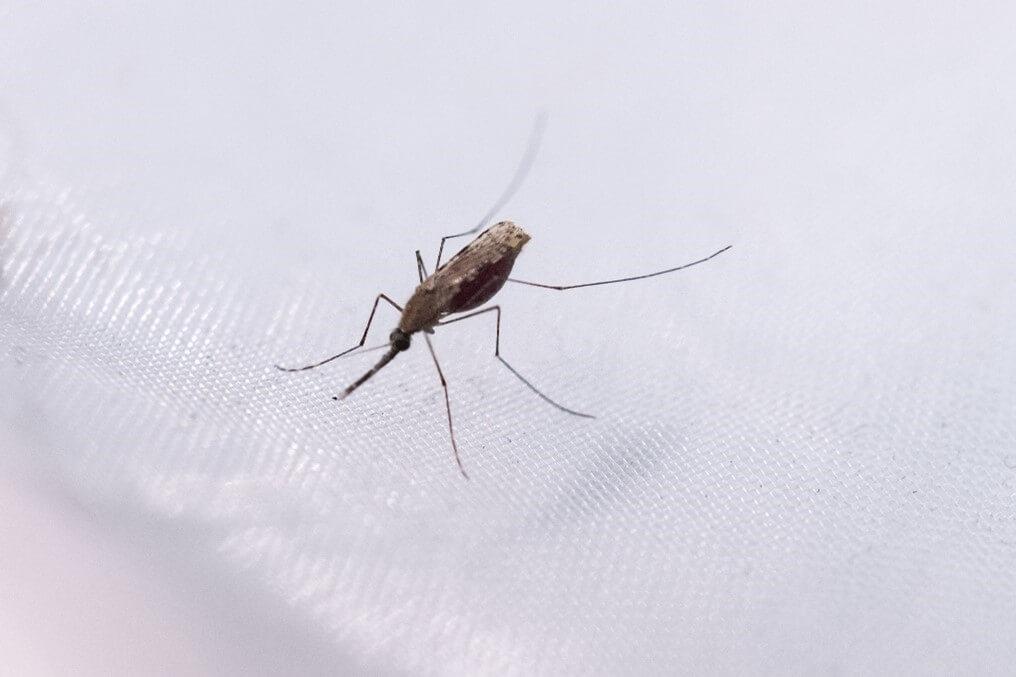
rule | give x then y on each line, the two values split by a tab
399	339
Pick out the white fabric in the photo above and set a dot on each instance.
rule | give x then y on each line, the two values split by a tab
804	460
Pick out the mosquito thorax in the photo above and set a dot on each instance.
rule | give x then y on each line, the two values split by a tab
399	339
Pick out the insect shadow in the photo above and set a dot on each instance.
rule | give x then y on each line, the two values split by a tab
464	283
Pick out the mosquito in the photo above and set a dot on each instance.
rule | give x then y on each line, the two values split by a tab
464	283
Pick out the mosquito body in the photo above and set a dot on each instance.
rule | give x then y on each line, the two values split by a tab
467	281
464	283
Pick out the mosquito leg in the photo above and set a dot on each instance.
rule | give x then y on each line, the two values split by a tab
497	354
559	287
448	406
520	175
363	338
420	268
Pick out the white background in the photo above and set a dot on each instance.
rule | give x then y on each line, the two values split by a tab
804	460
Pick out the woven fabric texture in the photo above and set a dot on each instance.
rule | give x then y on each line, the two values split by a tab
804	456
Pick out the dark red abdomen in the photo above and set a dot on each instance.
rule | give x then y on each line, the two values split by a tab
489	279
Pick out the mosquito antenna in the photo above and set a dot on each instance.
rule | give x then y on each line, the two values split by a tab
333	357
623	279
520	175
385	359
